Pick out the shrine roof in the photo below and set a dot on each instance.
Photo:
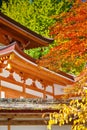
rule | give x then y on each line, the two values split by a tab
17	32
19	60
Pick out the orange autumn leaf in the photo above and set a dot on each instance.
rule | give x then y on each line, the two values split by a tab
70	33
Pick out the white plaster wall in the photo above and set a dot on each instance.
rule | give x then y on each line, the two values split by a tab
58	89
35	128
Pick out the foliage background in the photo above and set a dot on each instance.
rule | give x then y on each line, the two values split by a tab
35	15
70	33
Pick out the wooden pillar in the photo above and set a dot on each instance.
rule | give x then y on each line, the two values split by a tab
9	124
53	91
9	128
23	79
0	88
44	94
24	87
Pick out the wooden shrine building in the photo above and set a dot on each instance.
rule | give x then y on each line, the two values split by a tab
22	78
17	68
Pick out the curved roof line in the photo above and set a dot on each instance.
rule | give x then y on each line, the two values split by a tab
16	49
14	46
25	29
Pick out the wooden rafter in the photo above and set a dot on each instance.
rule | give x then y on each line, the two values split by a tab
17	32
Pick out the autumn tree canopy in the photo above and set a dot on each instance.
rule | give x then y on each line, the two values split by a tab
70	33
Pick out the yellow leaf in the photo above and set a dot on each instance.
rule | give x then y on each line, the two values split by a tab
70	119
49	127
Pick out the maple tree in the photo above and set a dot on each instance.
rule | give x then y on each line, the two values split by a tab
70	33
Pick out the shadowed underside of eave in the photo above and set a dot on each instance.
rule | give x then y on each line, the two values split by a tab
13	31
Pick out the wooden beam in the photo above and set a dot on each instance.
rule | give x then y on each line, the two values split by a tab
21	115
38	73
11	93
21	84
23	122
22	119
